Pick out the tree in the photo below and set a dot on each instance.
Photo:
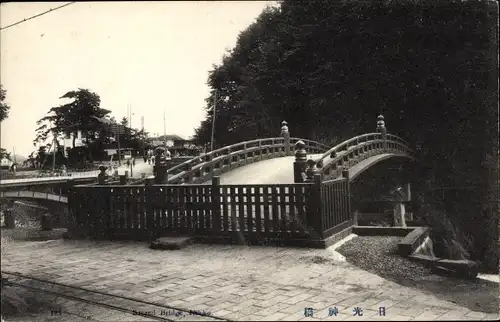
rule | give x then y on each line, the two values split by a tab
132	138
4	108
81	114
41	156
31	160
5	154
330	67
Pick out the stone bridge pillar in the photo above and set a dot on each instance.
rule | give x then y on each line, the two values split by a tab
300	164
402	195
160	168
9	218
102	176
311	171
286	136
399	212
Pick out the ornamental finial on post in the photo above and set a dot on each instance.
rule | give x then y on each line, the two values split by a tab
381	124
284	127
300	152
311	170
286	137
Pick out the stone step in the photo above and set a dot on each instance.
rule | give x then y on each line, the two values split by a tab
171	243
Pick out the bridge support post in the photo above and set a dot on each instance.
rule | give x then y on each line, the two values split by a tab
355	216
149	195
10	221
382	130
123	179
101	177
300	165
216	213
46	222
160	168
286	136
72	220
345	175
314	215
407	191
399	215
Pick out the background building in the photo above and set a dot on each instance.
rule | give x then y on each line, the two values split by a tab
174	143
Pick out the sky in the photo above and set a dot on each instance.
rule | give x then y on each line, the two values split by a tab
151	56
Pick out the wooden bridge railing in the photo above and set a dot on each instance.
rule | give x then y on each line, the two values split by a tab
359	148
203	167
306	211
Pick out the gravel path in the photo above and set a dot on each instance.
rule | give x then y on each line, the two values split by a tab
378	255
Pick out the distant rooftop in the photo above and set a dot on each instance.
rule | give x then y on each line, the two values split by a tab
114	146
168	137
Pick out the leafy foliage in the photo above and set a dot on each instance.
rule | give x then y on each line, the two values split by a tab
4	108
5	154
329	67
79	115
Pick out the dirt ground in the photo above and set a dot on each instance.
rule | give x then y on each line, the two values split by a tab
378	255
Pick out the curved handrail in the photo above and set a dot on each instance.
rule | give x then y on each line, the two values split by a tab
361	139
363	144
340	146
214	152
268	146
319	144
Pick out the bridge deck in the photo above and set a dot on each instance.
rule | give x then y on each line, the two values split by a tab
272	171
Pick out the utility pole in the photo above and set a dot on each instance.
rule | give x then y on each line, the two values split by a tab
117	128
54	153
14	153
142	130
165	128
213	122
130	121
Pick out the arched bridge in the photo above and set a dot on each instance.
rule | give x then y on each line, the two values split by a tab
279	160
283	188
23	194
360	153
271	161
49	189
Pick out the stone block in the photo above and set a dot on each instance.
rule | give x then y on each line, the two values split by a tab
410	243
171	243
426	259
460	268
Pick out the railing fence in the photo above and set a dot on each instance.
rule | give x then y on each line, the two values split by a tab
296	211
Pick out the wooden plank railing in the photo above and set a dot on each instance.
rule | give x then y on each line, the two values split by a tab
336	209
242	211
357	149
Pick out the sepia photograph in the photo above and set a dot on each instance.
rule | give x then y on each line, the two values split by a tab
285	160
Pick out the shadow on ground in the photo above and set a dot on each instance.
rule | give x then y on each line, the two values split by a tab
378	255
17	301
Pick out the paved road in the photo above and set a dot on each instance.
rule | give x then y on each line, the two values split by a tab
232	282
86	174
139	168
